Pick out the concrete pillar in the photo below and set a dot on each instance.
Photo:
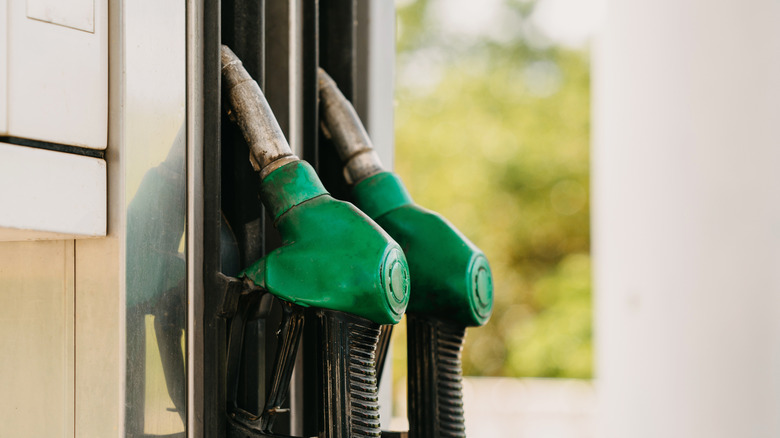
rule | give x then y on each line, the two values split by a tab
686	218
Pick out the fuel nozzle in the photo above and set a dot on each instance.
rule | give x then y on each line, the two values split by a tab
333	259
451	284
333	256
451	277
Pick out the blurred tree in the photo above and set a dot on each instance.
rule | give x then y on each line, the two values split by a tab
492	131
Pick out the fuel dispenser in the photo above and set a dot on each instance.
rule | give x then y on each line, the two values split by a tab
290	341
154	282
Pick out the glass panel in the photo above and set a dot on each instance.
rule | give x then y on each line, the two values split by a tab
155	191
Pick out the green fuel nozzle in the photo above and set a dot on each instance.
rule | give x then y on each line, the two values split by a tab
451	284
333	256
451	277
333	260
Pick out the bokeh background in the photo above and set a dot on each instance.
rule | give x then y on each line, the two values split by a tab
492	131
493	121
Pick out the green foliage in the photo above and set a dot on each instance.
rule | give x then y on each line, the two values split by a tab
497	142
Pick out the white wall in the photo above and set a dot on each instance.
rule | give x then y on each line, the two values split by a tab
686	206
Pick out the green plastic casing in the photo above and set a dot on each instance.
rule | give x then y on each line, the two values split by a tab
451	277
332	255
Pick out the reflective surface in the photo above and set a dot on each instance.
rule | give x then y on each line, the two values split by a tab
156	210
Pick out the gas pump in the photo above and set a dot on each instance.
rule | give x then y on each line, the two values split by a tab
451	281
167	302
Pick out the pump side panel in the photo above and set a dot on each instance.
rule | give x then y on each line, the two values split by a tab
37	338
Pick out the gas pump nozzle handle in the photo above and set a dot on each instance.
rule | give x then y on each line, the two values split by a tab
450	277
330	248
334	260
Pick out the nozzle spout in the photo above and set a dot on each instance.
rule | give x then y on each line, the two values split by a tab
247	106
343	125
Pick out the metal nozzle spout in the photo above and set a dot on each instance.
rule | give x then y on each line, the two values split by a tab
247	106
349	136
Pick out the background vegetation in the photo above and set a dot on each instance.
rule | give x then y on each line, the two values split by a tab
492	129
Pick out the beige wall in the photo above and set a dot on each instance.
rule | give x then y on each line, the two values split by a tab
59	367
37	324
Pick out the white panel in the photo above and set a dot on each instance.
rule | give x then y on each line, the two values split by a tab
686	220
36	339
57	78
78	14
3	67
52	192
